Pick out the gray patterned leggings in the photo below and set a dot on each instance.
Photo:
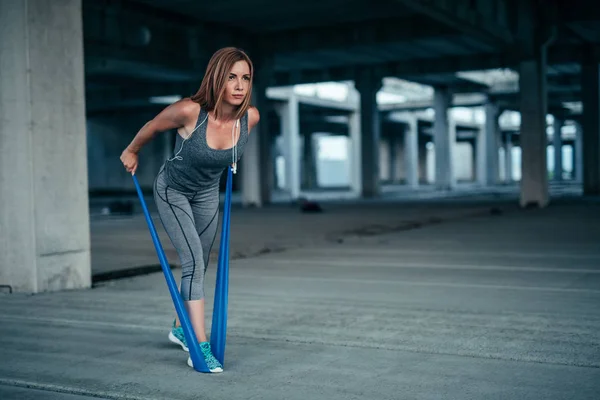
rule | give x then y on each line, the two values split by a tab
191	221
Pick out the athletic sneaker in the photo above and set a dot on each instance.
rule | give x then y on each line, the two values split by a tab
176	336
211	362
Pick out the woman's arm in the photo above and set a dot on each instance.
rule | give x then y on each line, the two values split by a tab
174	116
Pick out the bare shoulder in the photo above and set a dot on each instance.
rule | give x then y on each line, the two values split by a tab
253	117
187	108
176	115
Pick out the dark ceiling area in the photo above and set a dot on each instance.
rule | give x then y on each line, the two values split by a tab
137	49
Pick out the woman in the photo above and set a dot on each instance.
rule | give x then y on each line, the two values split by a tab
213	128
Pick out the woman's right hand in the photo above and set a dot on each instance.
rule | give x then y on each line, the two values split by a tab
129	160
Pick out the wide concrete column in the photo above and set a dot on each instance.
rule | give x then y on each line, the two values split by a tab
508	160
487	147
44	215
257	165
533	106
444	139
590	93
557	144
290	129
411	152
368	84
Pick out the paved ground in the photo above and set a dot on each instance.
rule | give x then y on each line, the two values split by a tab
491	306
121	244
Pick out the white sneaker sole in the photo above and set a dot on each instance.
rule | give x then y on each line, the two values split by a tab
214	370
174	339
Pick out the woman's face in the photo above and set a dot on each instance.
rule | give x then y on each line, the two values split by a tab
238	83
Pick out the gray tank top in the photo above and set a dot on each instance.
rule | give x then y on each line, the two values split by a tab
195	166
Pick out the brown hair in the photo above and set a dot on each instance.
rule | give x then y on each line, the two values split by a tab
212	88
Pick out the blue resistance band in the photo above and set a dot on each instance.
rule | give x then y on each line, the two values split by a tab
219	320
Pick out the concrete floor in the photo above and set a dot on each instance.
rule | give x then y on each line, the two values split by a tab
481	306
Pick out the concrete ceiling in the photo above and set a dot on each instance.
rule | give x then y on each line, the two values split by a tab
141	48
271	16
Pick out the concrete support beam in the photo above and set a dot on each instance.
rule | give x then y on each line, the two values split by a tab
290	123
533	102
578	153
354	128
368	84
257	164
444	139
487	147
44	217
309	174
394	150
508	160
557	144
590	75
411	152
532	82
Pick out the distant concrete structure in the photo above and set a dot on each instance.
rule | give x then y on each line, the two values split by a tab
80	77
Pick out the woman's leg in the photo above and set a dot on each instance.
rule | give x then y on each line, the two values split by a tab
180	224
178	220
205	209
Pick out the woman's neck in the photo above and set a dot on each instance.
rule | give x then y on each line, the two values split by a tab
227	113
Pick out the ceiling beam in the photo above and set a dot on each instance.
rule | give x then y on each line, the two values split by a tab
486	22
415	67
578	11
351	37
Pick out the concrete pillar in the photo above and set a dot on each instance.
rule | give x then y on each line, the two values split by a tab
44	216
309	173
250	170
474	158
393	157
368	84
423	161
487	148
590	94
290	129
444	139
578	153
400	153
557	144
355	153
411	152
533	105
508	169
257	164
384	159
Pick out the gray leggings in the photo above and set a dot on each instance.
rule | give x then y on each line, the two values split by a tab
191	221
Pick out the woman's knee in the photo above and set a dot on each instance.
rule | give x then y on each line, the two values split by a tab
192	281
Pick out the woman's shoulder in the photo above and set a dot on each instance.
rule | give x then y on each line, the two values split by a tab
187	107
253	117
